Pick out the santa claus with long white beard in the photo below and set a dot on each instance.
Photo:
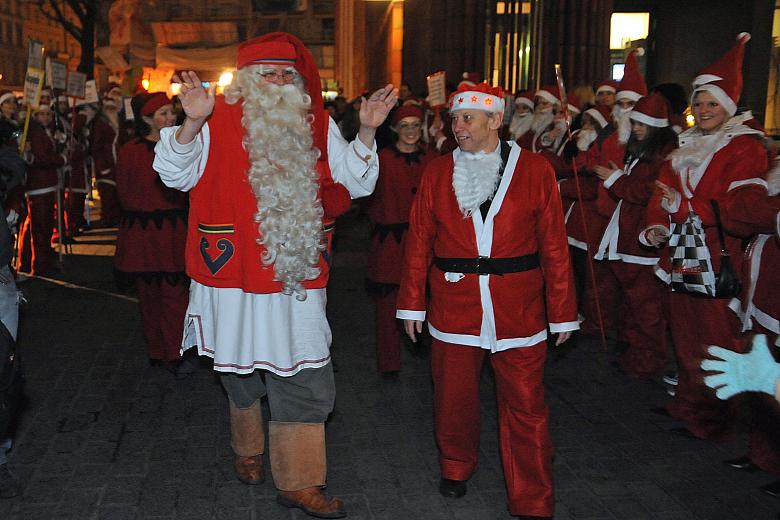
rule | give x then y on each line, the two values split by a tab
267	175
523	116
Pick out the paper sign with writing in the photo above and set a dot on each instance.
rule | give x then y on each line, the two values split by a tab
437	89
56	74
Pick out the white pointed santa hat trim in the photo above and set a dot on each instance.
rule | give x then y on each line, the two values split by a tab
595	114
473	99
522	100
628	94
606	88
649	120
719	94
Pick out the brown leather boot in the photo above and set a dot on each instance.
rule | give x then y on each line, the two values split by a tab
249	470
313	502
248	442
297	453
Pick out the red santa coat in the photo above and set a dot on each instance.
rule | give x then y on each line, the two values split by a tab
103	147
153	229
42	171
633	186
492	312
388	211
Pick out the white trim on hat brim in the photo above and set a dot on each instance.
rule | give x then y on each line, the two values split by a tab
629	94
524	101
703	79
574	109
606	88
496	104
7	95
657	122
548	96
595	114
720	95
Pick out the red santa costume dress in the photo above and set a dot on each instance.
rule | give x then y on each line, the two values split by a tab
35	254
388	211
150	242
106	140
630	262
474	315
725	166
238	313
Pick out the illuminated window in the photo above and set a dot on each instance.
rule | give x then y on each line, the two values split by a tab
628	27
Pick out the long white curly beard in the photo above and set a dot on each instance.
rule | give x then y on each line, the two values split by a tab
520	124
283	177
474	179
585	138
622	118
541	121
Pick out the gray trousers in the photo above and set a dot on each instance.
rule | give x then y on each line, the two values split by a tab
306	397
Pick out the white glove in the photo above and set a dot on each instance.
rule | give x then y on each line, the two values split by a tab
755	371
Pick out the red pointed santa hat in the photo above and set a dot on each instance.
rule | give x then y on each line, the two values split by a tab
723	79
550	93
602	114
574	103
525	98
470	79
480	97
652	110
607	85
632	86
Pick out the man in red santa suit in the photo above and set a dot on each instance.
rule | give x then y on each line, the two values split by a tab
106	138
268	171
486	234
547	129
400	169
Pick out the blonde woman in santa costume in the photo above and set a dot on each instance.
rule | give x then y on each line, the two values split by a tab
267	175
720	159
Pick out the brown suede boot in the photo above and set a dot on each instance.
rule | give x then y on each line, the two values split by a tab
299	467
248	441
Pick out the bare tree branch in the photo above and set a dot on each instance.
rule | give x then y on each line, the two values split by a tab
59	17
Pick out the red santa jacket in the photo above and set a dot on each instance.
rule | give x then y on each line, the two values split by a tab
153	229
105	142
495	312
388	210
732	177
222	248
42	172
633	186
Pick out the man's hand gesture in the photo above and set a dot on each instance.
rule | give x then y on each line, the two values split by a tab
197	102
374	110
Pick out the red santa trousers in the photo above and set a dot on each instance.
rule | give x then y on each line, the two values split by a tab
162	308
609	297
35	254
526	446
388	339
74	212
696	323
644	324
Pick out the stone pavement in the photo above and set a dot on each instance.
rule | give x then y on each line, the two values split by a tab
106	436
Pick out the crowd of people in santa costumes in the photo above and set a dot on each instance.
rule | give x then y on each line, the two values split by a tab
267	174
151	235
400	170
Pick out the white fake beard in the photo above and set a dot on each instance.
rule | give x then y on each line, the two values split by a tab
474	179
585	138
284	179
695	152
622	118
541	121
520	125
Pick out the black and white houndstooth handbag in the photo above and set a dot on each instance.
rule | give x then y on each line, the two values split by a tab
691	261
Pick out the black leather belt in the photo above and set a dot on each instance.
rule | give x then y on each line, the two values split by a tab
485	265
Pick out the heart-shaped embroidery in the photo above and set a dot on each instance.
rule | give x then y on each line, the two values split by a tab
224	245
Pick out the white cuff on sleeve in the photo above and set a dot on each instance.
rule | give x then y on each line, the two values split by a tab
410	315
567	326
176	146
609	181
675	204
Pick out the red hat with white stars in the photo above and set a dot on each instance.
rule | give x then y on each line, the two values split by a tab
480	97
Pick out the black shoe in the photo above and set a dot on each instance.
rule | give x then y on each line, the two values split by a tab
773	488
743	463
452	488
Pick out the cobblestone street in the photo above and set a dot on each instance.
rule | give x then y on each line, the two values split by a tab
107	436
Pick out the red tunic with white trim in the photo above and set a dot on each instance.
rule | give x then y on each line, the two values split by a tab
490	311
153	229
388	211
42	171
